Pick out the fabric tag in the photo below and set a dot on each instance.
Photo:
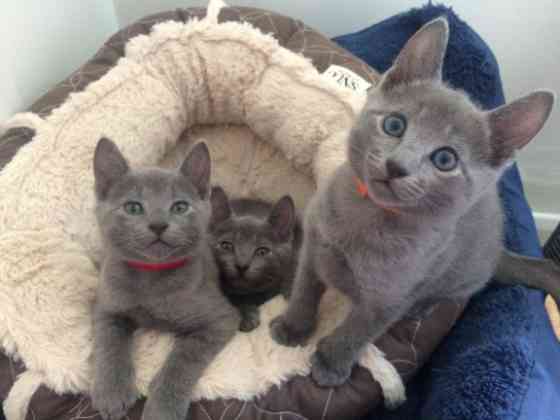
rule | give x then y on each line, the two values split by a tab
346	78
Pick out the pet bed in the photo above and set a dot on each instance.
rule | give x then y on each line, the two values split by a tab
261	90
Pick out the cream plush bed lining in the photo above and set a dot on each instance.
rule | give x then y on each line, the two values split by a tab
274	125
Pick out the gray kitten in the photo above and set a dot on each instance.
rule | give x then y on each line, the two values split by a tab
255	244
158	273
414	214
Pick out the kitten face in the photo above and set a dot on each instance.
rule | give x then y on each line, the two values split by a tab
254	252
150	214
421	145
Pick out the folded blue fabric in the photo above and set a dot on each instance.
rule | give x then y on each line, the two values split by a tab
501	360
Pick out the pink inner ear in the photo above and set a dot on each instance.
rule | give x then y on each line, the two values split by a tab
516	124
422	56
197	167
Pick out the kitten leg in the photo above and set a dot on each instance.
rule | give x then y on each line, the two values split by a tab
250	318
113	388
299	321
337	353
171	389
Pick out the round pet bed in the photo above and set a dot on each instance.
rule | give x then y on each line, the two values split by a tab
250	83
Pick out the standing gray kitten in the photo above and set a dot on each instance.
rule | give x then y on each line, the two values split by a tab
255	244
414	214
158	273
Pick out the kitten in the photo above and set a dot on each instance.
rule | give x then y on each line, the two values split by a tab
158	273
413	215
255	244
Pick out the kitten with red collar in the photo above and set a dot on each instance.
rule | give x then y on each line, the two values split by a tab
159	273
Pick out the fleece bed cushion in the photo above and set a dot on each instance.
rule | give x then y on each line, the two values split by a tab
247	81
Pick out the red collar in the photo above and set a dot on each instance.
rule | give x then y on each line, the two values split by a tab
144	266
364	193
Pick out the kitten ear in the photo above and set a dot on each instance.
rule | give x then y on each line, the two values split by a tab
220	205
109	165
196	168
515	124
282	218
422	56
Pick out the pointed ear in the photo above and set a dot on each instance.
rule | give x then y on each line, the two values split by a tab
422	56
196	168
109	165
514	125
221	210
282	218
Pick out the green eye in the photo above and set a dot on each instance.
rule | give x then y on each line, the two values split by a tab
133	208
394	125
180	207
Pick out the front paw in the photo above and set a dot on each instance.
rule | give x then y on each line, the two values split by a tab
113	402
249	322
288	335
158	408
328	373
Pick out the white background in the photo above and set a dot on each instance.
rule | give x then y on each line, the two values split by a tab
44	40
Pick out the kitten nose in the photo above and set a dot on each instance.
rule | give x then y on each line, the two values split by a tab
158	228
242	268
395	170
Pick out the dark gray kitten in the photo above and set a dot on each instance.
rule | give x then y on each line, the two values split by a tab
255	244
413	215
158	273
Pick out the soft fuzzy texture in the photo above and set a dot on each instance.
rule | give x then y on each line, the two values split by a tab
501	360
180	76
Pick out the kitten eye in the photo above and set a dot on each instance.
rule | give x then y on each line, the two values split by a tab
226	246
134	208
262	252
180	207
394	125
445	159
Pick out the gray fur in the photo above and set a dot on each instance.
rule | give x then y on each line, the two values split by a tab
421	233
537	273
185	301
247	227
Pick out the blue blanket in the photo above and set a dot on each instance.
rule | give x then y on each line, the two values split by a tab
501	360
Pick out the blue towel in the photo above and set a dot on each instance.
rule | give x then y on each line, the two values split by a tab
501	360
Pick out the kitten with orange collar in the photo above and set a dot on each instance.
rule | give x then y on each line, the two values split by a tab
413	215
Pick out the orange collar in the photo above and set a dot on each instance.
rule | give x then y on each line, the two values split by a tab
364	193
362	188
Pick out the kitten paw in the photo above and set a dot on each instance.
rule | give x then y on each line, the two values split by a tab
249	322
154	409
113	403
326	373
284	333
